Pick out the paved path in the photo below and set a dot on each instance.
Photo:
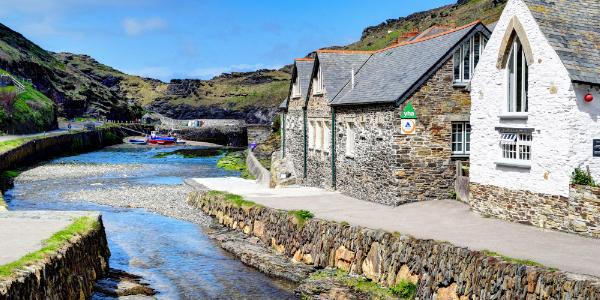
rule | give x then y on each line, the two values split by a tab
445	220
22	232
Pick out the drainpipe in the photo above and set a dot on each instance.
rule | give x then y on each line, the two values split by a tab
305	141
333	170
283	135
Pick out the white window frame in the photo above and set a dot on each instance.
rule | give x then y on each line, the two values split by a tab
319	136
318	87
296	88
516	146
350	139
458	58
326	137
511	83
311	135
465	138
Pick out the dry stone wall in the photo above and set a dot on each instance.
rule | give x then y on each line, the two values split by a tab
69	273
294	140
319	172
579	213
437	268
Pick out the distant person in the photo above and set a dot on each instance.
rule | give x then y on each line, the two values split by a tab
69	126
252	146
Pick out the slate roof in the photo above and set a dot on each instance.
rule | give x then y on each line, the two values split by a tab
393	74
573	29
303	69
336	67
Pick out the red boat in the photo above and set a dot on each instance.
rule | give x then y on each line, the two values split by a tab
157	139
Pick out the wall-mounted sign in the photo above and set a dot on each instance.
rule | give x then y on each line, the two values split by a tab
408	112
596	147
408	126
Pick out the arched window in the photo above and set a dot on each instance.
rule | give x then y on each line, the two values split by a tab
517	71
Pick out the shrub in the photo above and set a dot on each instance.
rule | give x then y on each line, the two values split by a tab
404	289
582	177
301	216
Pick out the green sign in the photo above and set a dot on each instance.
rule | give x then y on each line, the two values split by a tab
408	112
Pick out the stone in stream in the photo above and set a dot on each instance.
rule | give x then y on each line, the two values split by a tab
123	285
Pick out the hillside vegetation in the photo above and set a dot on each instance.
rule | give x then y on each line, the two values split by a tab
26	111
461	13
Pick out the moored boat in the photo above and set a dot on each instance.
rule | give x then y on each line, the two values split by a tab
157	139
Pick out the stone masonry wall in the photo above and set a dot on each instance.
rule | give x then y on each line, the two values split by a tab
391	168
294	141
69	273
579	213
319	172
388	258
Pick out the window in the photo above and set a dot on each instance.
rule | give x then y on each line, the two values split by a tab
296	88
516	146
318	83
466	57
517	76
319	144
326	137
350	139
461	138
311	135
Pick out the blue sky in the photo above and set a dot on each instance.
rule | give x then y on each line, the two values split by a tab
197	39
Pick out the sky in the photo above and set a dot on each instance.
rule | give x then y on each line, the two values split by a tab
168	39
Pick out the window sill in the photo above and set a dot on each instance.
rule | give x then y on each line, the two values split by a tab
459	155
514	164
460	84
514	116
317	93
348	156
296	96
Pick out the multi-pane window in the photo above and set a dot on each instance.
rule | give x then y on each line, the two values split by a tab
319	145
350	139
466	57
516	146
517	73
461	138
296	88
318	82
326	137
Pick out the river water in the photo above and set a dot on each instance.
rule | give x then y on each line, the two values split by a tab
174	256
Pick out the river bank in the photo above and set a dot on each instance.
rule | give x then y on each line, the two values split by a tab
152	231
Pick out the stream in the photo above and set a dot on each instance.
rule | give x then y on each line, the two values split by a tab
173	255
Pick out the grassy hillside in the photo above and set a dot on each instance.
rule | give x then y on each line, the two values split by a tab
461	13
25	112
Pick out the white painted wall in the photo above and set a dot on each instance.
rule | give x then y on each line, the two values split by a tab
553	113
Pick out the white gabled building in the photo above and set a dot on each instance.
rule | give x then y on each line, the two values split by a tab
531	123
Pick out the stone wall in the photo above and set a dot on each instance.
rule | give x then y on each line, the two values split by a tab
436	267
391	168
69	273
262	175
579	213
258	133
47	147
233	136
294	141
319	172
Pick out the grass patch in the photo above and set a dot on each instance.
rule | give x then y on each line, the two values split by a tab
11	174
404	289
8	145
51	245
236	200
301	216
235	161
191	153
509	259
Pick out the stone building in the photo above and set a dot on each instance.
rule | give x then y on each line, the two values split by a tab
293	120
532	124
387	126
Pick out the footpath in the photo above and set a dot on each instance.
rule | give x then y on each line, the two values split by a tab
442	220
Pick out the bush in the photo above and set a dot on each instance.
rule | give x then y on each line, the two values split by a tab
301	216
404	289
582	177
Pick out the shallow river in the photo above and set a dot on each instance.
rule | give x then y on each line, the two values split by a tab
174	256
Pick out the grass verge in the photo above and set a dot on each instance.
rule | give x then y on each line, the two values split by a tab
236	200
509	259
11	144
55	242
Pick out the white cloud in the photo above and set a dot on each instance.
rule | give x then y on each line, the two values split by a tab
136	27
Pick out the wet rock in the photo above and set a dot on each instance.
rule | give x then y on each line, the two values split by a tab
118	283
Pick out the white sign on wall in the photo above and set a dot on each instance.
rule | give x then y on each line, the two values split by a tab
408	126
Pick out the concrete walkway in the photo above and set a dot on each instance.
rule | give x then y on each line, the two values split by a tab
22	232
444	220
